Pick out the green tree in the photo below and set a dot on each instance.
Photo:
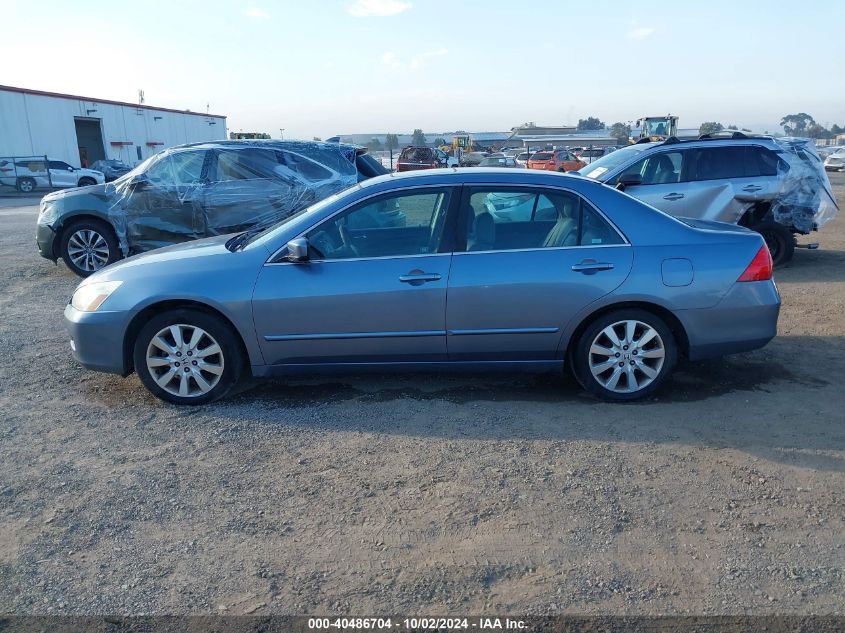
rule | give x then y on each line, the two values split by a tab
418	138
440	141
835	129
374	145
814	130
317	138
590	123
733	127
621	132
796	124
710	127
391	142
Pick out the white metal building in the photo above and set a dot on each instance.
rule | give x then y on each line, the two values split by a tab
81	130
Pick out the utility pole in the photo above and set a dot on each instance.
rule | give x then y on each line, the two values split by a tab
282	133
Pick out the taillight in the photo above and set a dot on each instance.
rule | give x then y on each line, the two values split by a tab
760	268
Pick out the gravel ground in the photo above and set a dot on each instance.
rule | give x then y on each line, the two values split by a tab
424	494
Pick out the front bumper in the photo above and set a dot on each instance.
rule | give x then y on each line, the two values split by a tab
96	339
45	238
745	319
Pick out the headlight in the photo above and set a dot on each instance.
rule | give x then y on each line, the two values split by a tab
46	213
89	297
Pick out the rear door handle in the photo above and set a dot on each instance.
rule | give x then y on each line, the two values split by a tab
673	196
751	188
588	267
417	277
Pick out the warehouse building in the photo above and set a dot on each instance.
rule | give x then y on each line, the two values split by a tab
81	130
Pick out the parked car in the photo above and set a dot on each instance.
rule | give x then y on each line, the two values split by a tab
414	157
472	159
194	191
589	154
555	160
835	161
522	158
112	169
29	174
826	150
498	161
775	186
608	286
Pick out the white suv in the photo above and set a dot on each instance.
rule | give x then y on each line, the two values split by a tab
27	174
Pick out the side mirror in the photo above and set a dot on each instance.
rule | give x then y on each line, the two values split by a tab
139	182
297	250
629	180
71	169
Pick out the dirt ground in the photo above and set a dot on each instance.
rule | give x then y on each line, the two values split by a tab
424	494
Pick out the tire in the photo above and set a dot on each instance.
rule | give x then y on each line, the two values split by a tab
167	374
779	239
25	185
87	246
649	371
86	181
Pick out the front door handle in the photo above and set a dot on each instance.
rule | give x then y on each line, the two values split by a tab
590	267
418	277
673	196
751	188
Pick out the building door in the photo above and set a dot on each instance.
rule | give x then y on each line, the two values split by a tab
89	140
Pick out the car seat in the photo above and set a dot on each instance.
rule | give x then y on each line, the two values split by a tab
483	237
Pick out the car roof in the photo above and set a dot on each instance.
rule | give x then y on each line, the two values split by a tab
268	143
496	175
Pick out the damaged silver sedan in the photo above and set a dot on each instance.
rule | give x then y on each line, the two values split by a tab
777	187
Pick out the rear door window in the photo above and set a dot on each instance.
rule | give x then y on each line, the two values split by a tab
719	163
760	162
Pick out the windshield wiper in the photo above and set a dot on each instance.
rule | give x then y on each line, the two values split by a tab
242	239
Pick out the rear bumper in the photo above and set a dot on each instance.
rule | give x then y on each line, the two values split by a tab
96	339
45	238
745	319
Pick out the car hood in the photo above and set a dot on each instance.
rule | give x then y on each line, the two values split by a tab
76	192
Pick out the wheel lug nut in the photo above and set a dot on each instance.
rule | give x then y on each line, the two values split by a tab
178	353
633	363
178	363
190	353
187	369
625	347
621	364
618	354
634	352
194	362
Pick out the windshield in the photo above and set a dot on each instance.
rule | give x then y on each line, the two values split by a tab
270	231
542	156
611	161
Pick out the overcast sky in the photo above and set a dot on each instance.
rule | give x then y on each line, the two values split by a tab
323	67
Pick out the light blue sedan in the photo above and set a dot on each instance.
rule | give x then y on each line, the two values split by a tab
584	276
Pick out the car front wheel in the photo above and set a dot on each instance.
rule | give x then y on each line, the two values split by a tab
87	246
26	185
86	181
625	355
188	357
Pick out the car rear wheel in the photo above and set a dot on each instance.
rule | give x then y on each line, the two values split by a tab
625	355
780	241
26	185
84	182
188	357
87	246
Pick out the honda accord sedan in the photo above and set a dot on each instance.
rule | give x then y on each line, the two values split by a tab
605	285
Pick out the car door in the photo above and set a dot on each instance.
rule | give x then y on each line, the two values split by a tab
515	284
62	174
162	207
725	180
664	180
371	291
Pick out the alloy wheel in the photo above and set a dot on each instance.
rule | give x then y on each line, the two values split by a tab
626	356
185	360
88	250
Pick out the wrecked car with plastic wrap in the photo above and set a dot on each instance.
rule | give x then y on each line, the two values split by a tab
194	191
775	186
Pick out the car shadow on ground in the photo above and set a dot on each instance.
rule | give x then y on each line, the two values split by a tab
812	266
691	382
